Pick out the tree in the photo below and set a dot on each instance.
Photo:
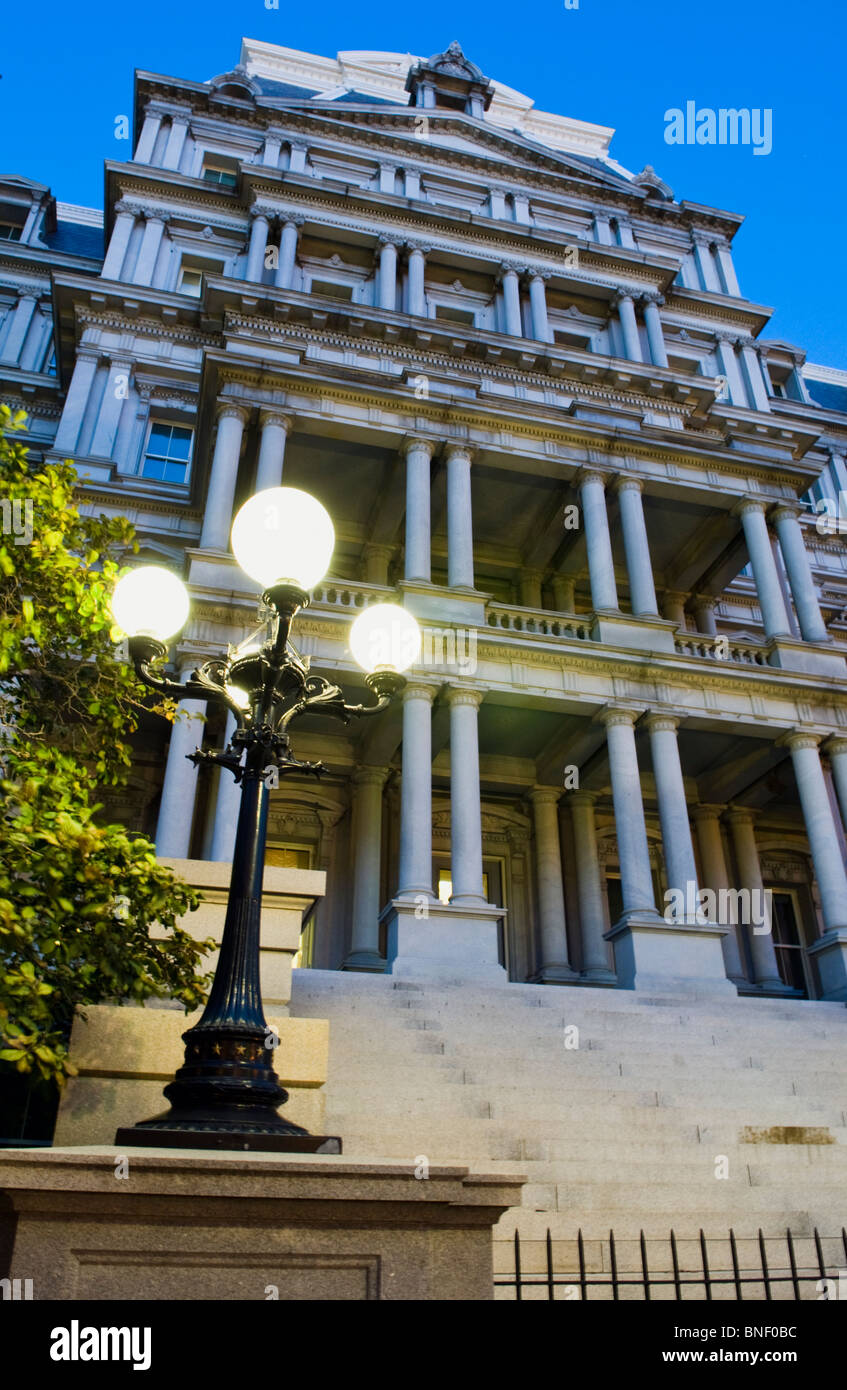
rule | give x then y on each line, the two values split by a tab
86	912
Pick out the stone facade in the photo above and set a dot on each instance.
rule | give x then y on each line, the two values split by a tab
541	413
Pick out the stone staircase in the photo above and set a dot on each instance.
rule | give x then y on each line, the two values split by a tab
624	1123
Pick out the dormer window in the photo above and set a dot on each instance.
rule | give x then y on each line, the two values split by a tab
451	81
220	169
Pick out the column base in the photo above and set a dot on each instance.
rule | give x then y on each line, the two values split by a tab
793	654
366	962
767	989
830	953
434	940
554	975
599	977
645	633
669	957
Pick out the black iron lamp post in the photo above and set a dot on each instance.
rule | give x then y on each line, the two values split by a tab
226	1094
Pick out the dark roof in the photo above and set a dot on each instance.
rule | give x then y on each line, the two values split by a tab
283	90
76	239
364	100
824	393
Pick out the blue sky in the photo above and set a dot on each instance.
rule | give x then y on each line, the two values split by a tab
68	72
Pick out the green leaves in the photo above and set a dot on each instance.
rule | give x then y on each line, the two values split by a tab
67	711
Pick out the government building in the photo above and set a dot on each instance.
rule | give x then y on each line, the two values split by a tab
527	386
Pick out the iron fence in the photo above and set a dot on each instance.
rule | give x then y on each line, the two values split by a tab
778	1274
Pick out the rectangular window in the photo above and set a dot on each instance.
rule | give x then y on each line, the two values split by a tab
190	281
168	453
9	231
219	169
451	315
333	290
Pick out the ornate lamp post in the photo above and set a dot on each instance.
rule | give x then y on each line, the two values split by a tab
226	1093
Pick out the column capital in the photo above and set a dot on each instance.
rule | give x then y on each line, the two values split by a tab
659	721
707	811
454	447
294	143
419	690
835	745
749	504
581	800
620	295
122	206
589	474
508	268
740	815
462	695
369	776
799	738
786	511
231	410
384	239
269	416
261	210
653	297
417	442
292	219
542	275
709	602
423	247
617	714
625	482
545	796
155	215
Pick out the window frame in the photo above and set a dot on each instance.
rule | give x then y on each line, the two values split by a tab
166	422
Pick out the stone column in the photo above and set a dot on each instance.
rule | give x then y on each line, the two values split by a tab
227	806
592	922
118	242
554	967
768	589
23	316
623	301
836	750
497	203
259	228
415	861
563	594
706	266
530	586
752	372
147	138
287	252
765	969
538	306
820	827
723	255
418	454
703	608
655	333
680	867
637	548
297	162
151	242
176	808
377	560
465	803
631	828
716	878
601	569
460	572
511	300
796	557
417	271
366	834
85	370
729	368
673	607
387	290
275	428
106	428
271	148
176	142
217	518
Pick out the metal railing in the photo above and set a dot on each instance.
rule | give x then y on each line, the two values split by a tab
784	1274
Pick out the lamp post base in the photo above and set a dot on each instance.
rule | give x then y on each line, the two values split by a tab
141	1137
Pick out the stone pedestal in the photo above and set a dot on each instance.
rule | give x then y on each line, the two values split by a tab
433	940
671	958
201	1225
643	634
830	953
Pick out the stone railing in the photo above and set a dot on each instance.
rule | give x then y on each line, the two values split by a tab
538	623
339	593
721	649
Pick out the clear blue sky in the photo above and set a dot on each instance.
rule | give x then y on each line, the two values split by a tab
68	72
